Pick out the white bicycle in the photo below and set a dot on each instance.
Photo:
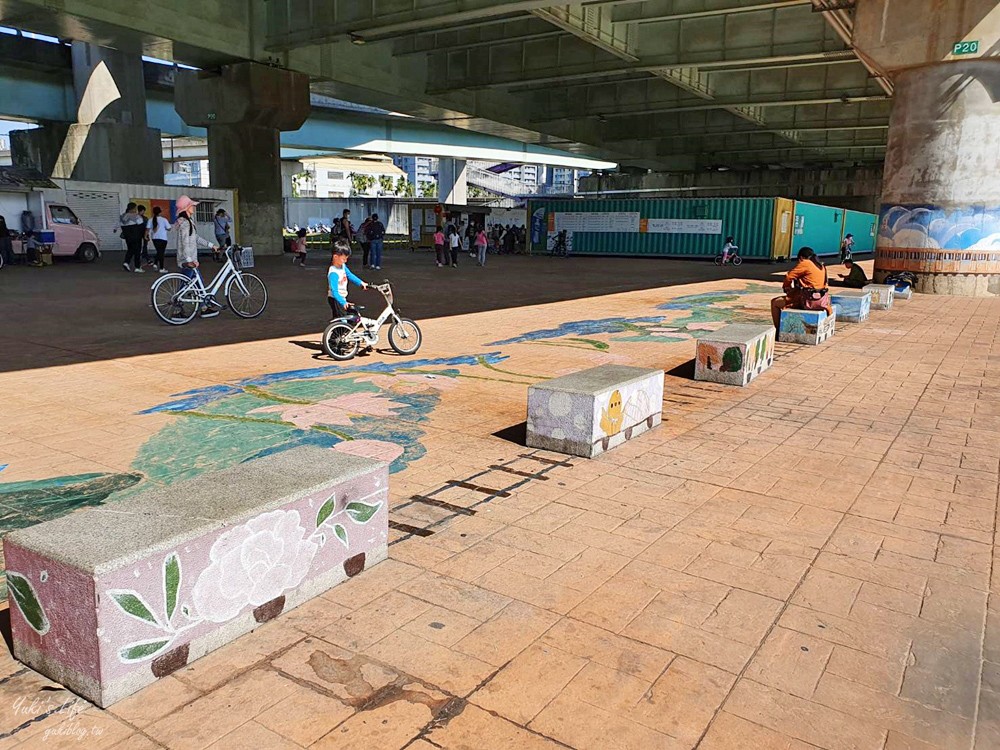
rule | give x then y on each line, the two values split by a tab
177	298
344	336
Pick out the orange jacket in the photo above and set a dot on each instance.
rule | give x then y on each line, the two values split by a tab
807	274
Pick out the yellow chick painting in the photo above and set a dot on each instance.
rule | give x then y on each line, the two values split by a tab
612	416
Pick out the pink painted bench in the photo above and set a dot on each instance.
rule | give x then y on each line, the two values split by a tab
107	600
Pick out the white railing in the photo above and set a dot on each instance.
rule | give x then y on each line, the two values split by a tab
497	184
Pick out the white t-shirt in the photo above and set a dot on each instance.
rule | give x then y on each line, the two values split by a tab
455	239
162	227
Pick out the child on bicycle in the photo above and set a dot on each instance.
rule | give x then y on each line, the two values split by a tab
730	248
338	276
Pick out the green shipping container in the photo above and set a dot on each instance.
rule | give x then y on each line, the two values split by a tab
675	227
863	226
818	227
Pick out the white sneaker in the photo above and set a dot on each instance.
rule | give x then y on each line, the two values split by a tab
126	267
378	268
138	270
163	270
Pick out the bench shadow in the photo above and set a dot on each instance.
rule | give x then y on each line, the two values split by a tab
685	371
516	434
8	638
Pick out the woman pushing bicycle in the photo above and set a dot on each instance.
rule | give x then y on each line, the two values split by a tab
188	242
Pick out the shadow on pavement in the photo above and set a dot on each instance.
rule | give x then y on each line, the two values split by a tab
71	312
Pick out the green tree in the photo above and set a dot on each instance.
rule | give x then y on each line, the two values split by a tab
477	192
428	190
361	183
385	184
302	182
404	187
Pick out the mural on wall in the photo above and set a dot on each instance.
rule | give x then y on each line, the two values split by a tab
933	227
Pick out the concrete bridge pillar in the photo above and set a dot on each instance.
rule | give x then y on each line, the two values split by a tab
110	142
940	213
452	185
244	109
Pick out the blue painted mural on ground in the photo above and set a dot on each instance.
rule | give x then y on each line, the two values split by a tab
706	311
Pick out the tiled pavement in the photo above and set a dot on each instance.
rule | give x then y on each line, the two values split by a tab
802	563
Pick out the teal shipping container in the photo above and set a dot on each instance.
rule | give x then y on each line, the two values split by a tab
863	226
675	227
764	228
818	227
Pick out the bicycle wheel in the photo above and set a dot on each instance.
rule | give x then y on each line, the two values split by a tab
405	336
737	260
718	260
249	303
337	341
173	299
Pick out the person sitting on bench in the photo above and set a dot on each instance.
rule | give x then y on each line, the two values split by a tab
855	278
805	287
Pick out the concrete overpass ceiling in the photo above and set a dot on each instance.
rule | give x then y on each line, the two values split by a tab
663	84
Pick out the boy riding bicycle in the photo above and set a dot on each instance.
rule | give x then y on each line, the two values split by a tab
338	277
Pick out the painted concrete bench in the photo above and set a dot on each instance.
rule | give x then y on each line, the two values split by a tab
904	294
735	354
806	326
592	411
108	600
882	295
853	305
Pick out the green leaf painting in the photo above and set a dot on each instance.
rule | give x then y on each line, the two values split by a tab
341	533
171	583
143	649
27	601
732	360
362	512
325	510
132	604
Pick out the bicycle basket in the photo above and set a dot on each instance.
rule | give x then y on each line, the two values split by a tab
243	257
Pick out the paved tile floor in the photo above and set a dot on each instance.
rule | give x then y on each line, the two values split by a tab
803	563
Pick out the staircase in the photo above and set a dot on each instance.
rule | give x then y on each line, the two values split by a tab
497	184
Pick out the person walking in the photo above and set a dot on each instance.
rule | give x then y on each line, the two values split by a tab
223	228
847	248
156	230
376	238
481	244
146	260
439	251
133	229
454	241
344	230
299	248
365	241
6	244
188	242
